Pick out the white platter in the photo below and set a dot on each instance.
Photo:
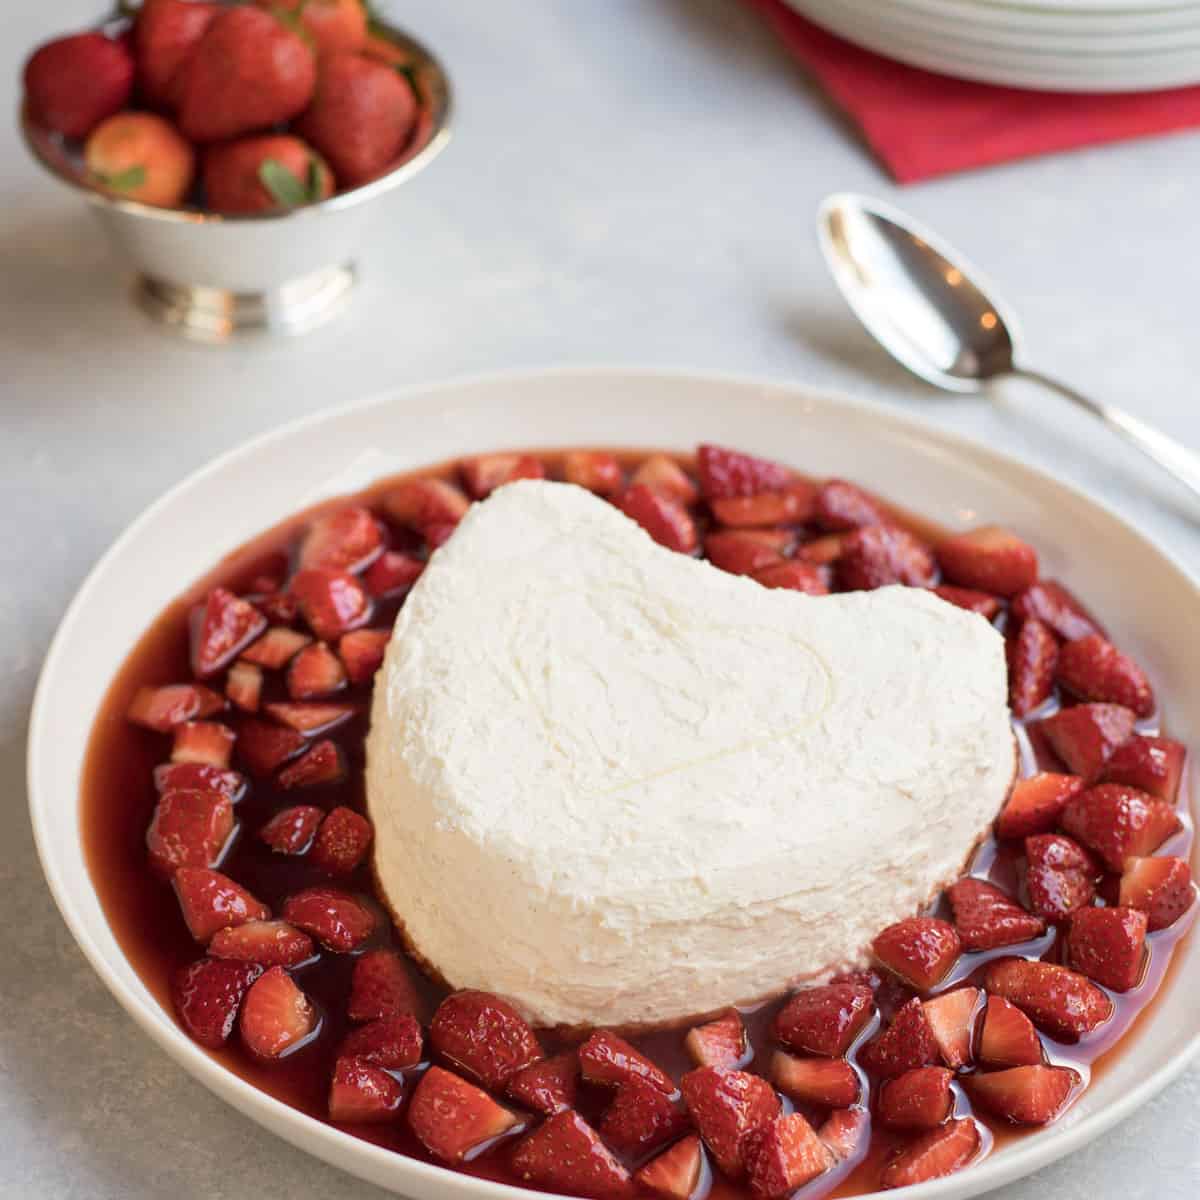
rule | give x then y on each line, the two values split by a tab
1140	592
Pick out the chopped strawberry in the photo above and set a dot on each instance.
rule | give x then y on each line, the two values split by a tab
162	708
674	1174
339	921
594	470
362	1094
190	828
793	505
918	1099
547	1087
346	540
920	950
211	901
665	476
1049	601
342	842
907	1043
845	1132
989	559
484	1036
483	475
1119	822
170	777
1151	764
842	506
1108	945
783	1156
726	1105
719	1043
866	977
225	626
362	652
280	608
1032	654
207	742
420	503
934	1154
382	987
640	1119
309	716
986	918
1094	669
983	603
1009	1038
825	1020
725	473
951	1018
263	747
664	519
392	574
322	764
1160	887
438	535
1035	804
1085	736
268	943
207	995
315	672
291	830
567	1155
243	685
1032	1095
607	1059
394	1043
276	648
829	1082
332	602
276	1015
1059	1000
795	576
823	551
879	555
1060	876
747	551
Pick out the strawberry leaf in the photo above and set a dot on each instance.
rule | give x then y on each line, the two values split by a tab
286	190
125	181
314	179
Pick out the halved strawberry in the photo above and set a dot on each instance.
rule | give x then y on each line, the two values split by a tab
484	1036
726	1105
1160	887
243	685
829	1082
934	1154
822	551
665	476
170	777
989	559
907	1043
1060	875
263	747
382	986
674	1174
276	1015
1059	1000
825	1020
640	1119
291	830
1108	945
920	950
608	1059
362	652
1009	1038
567	1155
747	551
795	576
1032	1095
846	1132
323	763
594	470
1035	804
879	555
1119	822
986	918
392	573
420	503
190	828
983	603
1032	654
664	519
783	1156
310	716
224	626
1085	736
207	995
276	648
484	474
394	1043
918	1099
1151	764
951	1018
792	505
342	842
315	672
362	1094
345	540
842	506
211	901
719	1043
331	602
269	943
547	1087
726	473
1049	601
162	708
206	742
339	921
1094	669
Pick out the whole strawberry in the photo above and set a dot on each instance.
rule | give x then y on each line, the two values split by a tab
165	37
250	71
335	26
361	117
256	174
140	156
73	83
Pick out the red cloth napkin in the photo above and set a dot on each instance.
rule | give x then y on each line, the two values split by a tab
921	124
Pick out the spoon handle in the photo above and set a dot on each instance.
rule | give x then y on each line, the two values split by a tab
1175	459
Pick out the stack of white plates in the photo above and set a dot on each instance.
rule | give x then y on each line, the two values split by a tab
1059	45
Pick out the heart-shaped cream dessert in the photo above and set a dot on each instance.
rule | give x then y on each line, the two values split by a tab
623	787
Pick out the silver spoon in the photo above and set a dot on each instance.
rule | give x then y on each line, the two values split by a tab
928	308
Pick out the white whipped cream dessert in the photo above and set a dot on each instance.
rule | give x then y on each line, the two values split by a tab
622	787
